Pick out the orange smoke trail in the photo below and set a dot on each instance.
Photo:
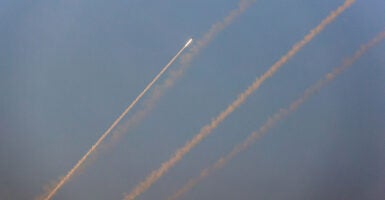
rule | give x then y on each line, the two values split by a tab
214	30
155	94
206	130
67	177
174	75
277	117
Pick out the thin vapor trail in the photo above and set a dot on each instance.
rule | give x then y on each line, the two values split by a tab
156	93
67	177
206	130
281	114
186	58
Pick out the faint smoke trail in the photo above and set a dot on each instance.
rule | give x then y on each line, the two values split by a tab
63	180
215	29
186	58
276	117
206	130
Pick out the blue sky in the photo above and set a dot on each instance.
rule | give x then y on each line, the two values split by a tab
69	68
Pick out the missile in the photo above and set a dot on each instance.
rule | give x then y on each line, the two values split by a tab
188	42
81	162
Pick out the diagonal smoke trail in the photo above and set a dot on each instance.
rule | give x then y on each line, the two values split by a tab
206	130
277	117
215	29
67	177
155	94
186	58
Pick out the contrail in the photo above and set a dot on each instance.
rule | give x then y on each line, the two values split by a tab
186	58
63	180
206	130
215	29
277	117
157	92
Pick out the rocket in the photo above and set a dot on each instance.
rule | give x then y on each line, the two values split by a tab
188	42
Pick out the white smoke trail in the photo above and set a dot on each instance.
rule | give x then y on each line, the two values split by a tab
67	177
206	130
277	117
155	95
186	58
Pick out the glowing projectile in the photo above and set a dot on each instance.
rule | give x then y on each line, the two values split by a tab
69	175
188	42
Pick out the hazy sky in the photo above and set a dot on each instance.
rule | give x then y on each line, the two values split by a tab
69	68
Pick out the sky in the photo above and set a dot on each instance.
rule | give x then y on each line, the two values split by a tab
69	68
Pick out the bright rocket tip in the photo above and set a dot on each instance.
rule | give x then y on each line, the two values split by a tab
188	42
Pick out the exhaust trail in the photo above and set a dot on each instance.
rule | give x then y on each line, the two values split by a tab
186	59
214	30
158	90
67	177
281	114
206	130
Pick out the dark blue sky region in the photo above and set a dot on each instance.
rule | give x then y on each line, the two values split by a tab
69	68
